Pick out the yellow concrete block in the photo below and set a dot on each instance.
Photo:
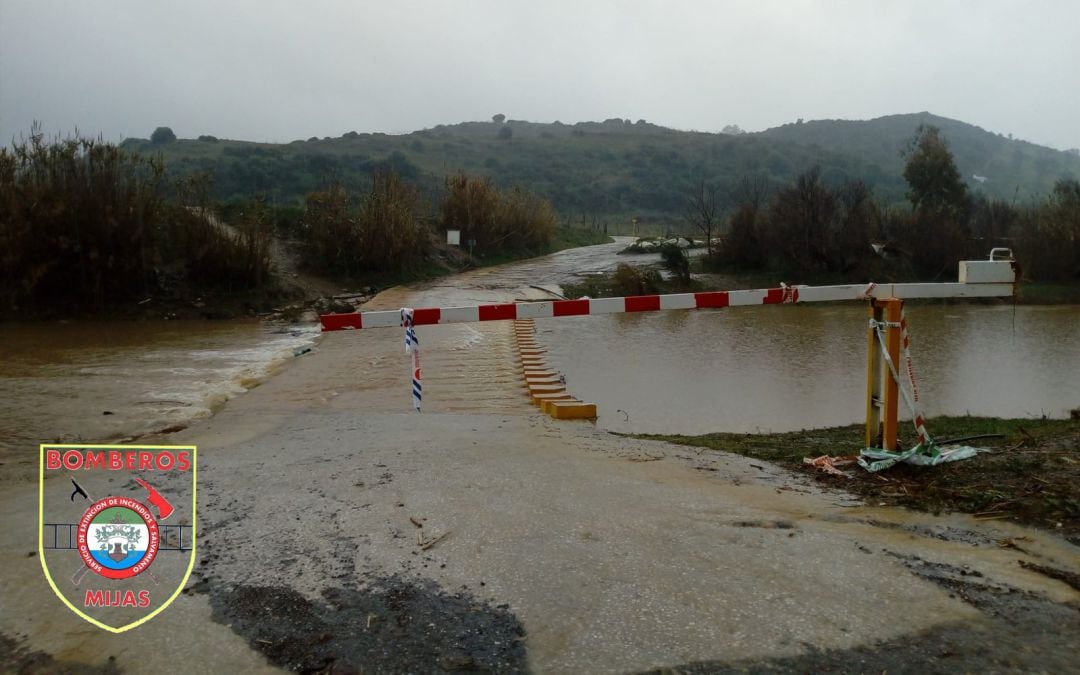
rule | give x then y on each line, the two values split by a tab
570	410
545	404
546	388
539	399
531	351
540	375
529	382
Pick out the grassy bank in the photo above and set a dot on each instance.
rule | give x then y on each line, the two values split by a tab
1030	475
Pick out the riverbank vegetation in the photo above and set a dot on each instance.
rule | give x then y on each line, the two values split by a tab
811	229
1030	474
812	232
84	225
88	227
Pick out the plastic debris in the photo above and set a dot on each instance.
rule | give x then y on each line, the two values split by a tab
875	459
828	464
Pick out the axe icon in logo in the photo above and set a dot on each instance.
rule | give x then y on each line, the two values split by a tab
129	564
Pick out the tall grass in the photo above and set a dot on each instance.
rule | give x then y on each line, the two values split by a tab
85	223
511	220
382	231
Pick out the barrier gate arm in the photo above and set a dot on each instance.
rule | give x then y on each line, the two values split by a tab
425	316
993	278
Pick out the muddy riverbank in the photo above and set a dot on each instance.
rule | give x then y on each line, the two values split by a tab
1027	471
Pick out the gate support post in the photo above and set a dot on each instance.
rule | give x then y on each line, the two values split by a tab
882	390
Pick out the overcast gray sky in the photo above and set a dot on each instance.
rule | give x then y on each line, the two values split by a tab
278	71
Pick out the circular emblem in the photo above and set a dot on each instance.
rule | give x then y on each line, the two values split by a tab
117	537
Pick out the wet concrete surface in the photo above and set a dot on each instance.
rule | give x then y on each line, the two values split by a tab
1017	632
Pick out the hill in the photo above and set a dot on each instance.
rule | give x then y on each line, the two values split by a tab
1011	169
617	169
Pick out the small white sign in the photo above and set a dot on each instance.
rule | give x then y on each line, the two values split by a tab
453	237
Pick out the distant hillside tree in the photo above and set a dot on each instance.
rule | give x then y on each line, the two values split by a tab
162	135
934	183
498	119
938	230
703	211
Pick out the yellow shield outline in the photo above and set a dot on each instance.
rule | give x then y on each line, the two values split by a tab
41	525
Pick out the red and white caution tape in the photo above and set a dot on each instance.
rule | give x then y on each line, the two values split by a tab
911	399
654	303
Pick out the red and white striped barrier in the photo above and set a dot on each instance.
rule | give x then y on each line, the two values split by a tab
655	303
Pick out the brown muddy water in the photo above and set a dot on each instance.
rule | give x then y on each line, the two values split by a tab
89	381
787	368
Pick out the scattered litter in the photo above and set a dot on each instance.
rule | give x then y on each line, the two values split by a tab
1011	543
415	522
301	352
425	545
928	454
828	464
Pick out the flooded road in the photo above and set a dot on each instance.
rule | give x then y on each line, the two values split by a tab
509	541
739	369
777	368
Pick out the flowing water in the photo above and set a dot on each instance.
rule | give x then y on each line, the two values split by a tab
100	380
740	369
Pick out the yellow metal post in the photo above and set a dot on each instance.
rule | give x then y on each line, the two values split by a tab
882	390
873	379
894	311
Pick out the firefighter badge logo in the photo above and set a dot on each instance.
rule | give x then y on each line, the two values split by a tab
116	529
